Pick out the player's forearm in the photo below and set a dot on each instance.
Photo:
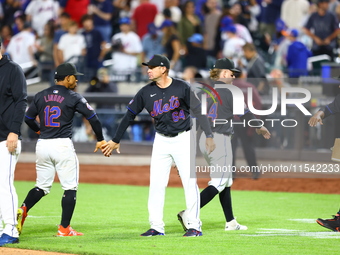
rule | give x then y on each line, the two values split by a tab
32	124
124	124
321	113
205	125
97	127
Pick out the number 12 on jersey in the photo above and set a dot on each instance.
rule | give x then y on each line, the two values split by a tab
51	114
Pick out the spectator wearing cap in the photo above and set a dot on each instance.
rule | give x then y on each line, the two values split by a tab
232	48
294	12
279	44
241	30
189	23
102	14
126	48
271	11
39	12
143	15
322	26
196	55
152	42
297	56
75	8
171	44
95	47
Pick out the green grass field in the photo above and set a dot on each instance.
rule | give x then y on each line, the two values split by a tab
112	217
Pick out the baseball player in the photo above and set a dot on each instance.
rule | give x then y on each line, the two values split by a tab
220	183
13	102
332	108
55	107
168	101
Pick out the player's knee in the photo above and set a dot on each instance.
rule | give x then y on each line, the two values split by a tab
70	193
43	191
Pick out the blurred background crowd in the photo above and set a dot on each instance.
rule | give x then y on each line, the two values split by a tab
259	35
270	41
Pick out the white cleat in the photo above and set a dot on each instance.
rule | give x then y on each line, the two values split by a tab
234	225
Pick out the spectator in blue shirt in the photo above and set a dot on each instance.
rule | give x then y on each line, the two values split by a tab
297	56
152	43
95	47
102	14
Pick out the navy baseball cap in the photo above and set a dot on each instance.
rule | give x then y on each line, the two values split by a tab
152	29
66	69
225	63
166	23
124	20
294	33
158	60
196	38
226	21
231	29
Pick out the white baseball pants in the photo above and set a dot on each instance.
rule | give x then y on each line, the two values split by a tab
8	195
165	151
220	161
56	156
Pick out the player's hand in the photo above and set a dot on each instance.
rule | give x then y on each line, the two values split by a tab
210	145
109	147
12	142
264	132
99	145
315	120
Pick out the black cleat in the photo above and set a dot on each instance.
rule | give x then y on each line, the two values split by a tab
192	233
152	232
332	224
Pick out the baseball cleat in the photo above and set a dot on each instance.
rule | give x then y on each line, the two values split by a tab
21	216
332	224
6	239
152	232
67	231
192	233
234	225
180	217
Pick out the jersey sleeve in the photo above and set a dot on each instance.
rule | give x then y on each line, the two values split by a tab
30	116
19	94
333	107
137	104
84	108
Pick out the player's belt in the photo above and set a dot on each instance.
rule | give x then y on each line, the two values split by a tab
174	135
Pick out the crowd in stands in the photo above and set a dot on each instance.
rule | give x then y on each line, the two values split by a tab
109	39
259	35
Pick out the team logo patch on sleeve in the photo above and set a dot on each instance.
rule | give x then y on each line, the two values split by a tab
89	107
131	101
83	100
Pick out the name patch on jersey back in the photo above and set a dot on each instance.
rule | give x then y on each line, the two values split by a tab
55	98
158	108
